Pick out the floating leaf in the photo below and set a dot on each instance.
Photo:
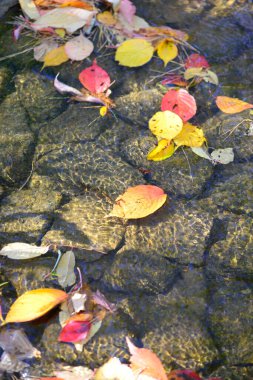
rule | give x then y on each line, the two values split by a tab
165	125
196	60
55	57
9	363
232	105
76	328
23	251
138	202
167	51
202	152
199	72
186	374
146	362
29	9
106	18
223	156
164	149
34	303
79	48
69	18
179	102
134	52
75	373
77	4
190	136
127	9
100	300
62	87
95	79
45	47
65	269
114	369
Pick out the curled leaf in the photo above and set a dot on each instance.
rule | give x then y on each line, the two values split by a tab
167	51
179	102
23	251
165	125
95	79
232	105
62	87
138	202
34	303
163	150
190	136
79	48
134	52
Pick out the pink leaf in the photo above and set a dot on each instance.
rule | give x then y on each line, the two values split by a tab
75	331
146	362
175	79
100	299
78	48
127	10
179	102
196	60
95	79
17	31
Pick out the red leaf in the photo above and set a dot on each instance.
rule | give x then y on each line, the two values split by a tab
196	60
179	102
95	79
77	328
174	79
183	374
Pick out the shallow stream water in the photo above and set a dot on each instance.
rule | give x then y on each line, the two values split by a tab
182	277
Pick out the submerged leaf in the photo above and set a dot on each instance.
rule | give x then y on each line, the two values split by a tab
65	269
196	60
167	51
190	136
16	343
134	52
232	105
165	125
55	57
79	48
23	251
186	374
138	202
95	79
164	149
34	303
179	102
199	72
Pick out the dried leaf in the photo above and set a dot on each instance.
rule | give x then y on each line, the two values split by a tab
95	79
45	47
42	300
55	57
29	9
10	364
127	9
146	361
167	51
100	300
164	31
79	48
165	125
190	136
232	105
65	269
16	343
179	102
114	370
69	18
196	60
223	156
164	149
23	251
62	87
134	52
138	202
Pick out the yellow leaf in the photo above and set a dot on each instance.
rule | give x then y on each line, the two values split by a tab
106	18
60	32
190	136
103	111
167	51
55	57
138	202
165	125
163	150
134	52
34	303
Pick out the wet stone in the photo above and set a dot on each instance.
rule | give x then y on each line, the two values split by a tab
234	373
230	316
16	141
26	214
139	272
5	81
5	5
74	167
176	231
83	223
38	96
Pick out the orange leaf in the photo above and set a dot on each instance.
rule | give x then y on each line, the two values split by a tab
34	303
77	4
146	361
138	202
232	105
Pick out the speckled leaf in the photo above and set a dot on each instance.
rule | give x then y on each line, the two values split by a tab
163	150
165	125
65	269
179	102
134	52
23	251
95	79
223	156
138	202
190	136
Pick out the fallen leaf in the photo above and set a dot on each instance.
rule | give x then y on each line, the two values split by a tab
165	125
29	9
190	136
164	31
163	150
114	370
167	51
45	47
69	18
134	52
65	269
199	72
179	102
223	156
10	364
202	152
62	87
42	300
100	300
146	361
232	105
186	374
75	373
127	9
23	251
77	4
196	60
95	79
174	79
107	18
138	202
16	343
76	328
79	48
55	57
